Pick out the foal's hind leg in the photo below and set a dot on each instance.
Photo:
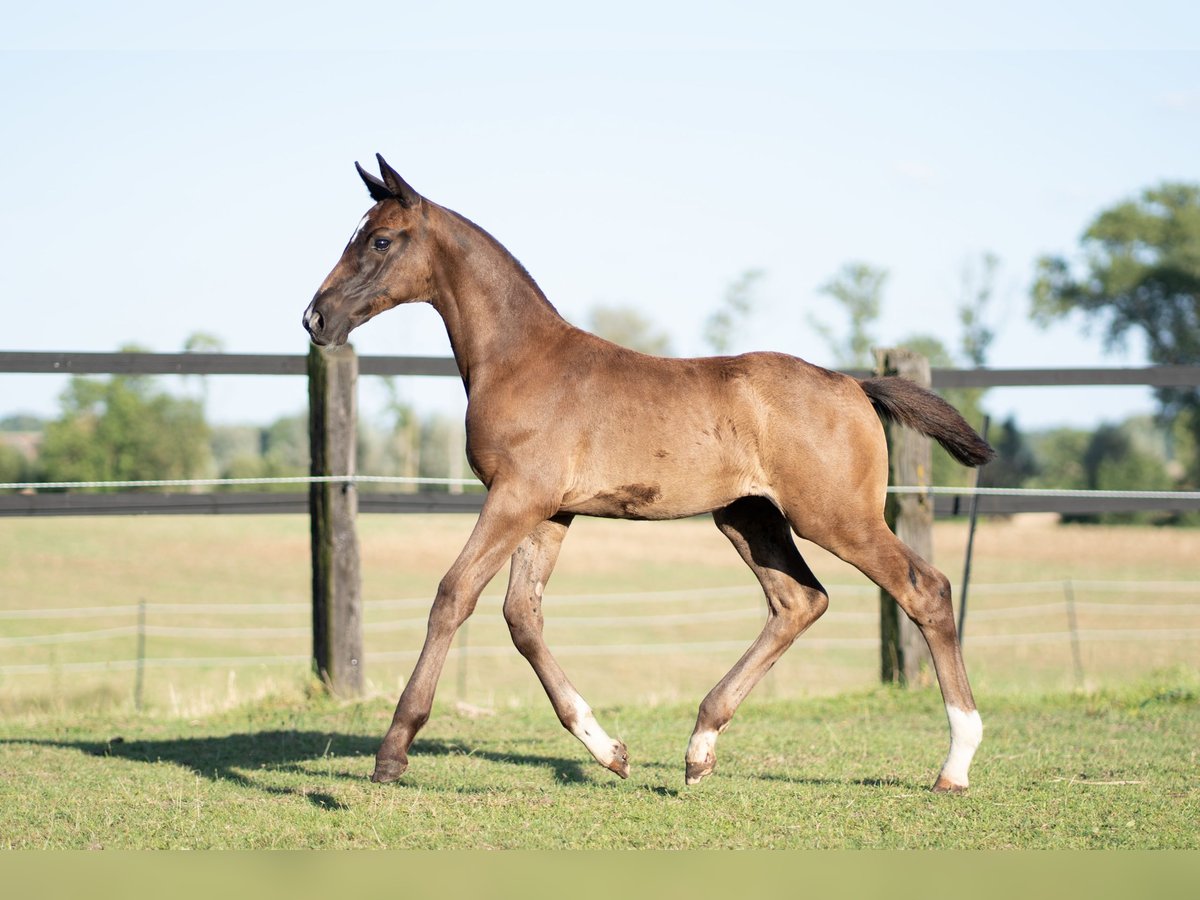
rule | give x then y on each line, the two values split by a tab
795	599
924	594
532	564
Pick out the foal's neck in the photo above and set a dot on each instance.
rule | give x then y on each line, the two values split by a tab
495	313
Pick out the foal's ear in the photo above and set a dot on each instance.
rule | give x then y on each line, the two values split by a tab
378	189
398	186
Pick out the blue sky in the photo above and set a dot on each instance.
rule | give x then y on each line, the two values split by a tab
167	170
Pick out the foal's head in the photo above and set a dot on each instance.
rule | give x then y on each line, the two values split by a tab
387	262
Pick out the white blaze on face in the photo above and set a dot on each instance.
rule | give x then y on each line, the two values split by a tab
966	731
359	230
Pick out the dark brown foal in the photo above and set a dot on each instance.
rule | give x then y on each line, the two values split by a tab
562	423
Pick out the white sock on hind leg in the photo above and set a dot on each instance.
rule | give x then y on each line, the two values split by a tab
966	731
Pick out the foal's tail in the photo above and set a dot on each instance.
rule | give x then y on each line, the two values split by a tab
898	399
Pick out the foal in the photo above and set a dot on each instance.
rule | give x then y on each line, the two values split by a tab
561	422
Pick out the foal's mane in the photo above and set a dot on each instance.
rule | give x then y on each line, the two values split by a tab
504	252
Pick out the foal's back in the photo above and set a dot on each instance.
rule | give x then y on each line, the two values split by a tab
649	437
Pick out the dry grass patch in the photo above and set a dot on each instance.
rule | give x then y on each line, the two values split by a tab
69	562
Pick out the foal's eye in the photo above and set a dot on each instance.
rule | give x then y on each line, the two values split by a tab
381	244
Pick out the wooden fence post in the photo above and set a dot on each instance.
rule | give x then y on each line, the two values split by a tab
333	506
903	651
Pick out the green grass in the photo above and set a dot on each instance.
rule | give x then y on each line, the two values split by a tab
1114	769
244	756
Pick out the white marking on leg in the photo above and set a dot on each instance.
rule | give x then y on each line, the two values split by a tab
588	730
702	748
966	731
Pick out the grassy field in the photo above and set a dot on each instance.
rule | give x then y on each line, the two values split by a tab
619	645
244	755
1116	769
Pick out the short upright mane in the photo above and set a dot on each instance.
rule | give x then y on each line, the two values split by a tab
504	251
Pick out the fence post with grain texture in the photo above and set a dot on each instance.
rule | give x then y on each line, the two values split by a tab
904	652
333	507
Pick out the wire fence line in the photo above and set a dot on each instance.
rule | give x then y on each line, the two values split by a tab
667	596
191	363
933	490
395	494
724	615
237	482
630	597
1043	637
142	630
130	665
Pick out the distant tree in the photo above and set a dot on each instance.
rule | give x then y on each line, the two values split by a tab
722	326
858	290
403	445
975	338
14	467
1113	461
285	446
1015	463
626	326
1183	444
124	428
442	451
247	465
22	422
235	447
278	450
1059	453
1140	273
203	342
930	347
1125	456
978	291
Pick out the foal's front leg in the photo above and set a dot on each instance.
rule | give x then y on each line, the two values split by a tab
505	520
532	564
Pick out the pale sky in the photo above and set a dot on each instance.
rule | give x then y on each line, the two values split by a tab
171	169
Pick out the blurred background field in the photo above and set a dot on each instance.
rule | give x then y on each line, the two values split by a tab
636	612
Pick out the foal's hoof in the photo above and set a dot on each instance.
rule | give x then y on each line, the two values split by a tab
388	770
697	771
620	760
945	786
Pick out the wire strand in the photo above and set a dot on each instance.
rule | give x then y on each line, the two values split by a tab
472	482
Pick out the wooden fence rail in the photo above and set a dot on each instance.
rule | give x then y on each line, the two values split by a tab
50	363
337	620
264	503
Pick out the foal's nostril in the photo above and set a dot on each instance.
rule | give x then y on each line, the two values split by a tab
314	322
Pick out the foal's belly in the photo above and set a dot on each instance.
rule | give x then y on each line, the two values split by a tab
660	493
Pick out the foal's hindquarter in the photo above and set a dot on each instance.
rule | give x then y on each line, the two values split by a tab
561	422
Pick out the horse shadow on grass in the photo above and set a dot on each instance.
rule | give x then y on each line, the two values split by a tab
240	758
252	759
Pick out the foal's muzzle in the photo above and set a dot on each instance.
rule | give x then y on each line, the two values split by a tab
314	323
330	318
